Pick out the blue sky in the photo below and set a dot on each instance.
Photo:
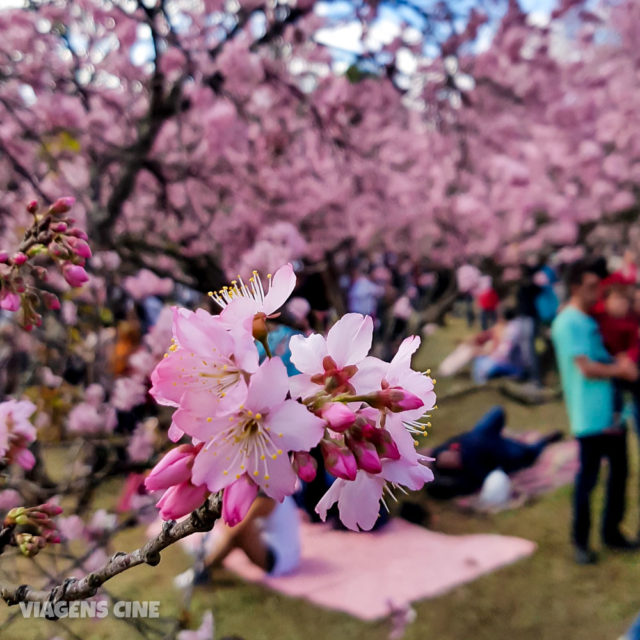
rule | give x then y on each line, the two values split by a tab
345	35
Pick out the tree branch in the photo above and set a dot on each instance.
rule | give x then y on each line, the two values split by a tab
202	519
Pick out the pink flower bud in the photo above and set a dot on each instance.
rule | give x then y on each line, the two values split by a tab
19	285
366	455
40	272
52	537
338	416
59	227
19	258
50	509
9	301
173	468
4	257
32	207
77	233
180	500
51	301
75	275
305	466
396	399
237	499
385	445
25	458
339	461
79	247
57	250
62	205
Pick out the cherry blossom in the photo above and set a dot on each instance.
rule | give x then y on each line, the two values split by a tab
206	368
17	432
329	364
255	439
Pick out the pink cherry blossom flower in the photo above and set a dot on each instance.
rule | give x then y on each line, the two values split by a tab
256	438
9	301
140	447
91	419
241	300
330	363
146	283
397	376
17	432
129	392
359	500
206	369
237	499
10	498
71	527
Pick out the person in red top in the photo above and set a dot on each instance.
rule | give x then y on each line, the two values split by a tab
488	301
618	323
620	327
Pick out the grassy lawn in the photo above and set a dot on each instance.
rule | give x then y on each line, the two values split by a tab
545	597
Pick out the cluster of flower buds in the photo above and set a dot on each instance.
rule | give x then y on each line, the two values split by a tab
53	236
356	440
35	528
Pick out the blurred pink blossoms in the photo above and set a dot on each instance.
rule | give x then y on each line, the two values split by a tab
17	432
251	426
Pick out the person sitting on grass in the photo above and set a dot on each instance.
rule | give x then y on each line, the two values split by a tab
463	463
269	535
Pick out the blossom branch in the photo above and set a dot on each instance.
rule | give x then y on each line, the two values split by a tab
200	520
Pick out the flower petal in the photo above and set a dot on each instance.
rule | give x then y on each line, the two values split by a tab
329	498
293	427
359	502
402	359
279	480
412	476
200	332
302	387
402	437
268	386
282	285
205	401
349	340
217	466
307	353
369	376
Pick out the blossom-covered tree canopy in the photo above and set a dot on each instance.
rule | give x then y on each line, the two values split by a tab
203	137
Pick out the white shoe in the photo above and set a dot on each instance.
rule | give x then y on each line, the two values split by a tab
185	579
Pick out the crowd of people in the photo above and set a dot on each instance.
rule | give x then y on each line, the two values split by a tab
590	312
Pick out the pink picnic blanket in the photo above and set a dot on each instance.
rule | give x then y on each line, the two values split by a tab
369	574
556	467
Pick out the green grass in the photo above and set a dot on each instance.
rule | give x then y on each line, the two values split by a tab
544	597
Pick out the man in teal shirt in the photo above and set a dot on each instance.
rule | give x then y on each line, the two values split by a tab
586	370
